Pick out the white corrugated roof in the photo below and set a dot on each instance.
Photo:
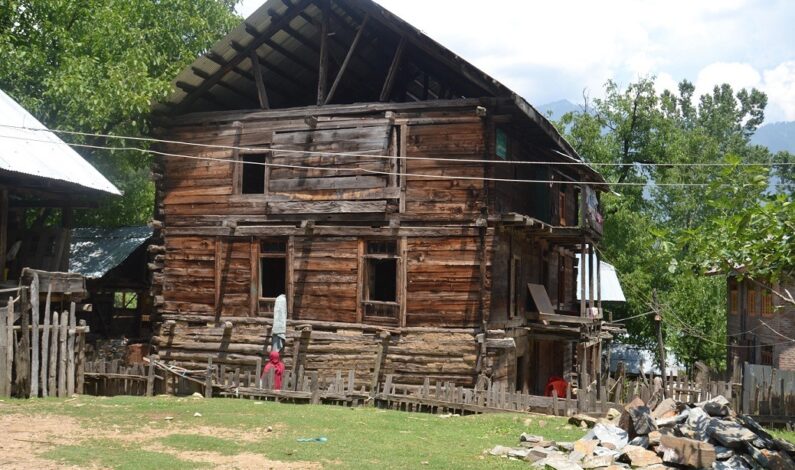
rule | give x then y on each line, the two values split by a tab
611	288
33	151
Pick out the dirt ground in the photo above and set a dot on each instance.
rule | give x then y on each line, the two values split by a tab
26	437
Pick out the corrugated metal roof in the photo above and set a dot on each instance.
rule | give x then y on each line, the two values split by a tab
610	286
42	153
95	251
641	361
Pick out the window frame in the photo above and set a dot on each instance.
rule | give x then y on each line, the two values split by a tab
750	303
734	300
395	308
767	307
272	255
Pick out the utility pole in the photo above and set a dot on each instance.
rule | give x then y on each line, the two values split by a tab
658	320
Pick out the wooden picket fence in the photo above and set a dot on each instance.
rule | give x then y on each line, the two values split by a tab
40	359
768	394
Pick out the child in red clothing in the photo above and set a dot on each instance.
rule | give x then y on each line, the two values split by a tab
277	365
557	384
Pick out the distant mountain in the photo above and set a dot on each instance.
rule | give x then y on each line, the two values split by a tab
776	136
556	109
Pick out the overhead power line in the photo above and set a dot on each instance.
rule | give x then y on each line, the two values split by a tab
366	170
392	157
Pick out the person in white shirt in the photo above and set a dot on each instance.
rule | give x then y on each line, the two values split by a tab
279	323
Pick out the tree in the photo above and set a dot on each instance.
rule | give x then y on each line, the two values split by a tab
656	139
97	66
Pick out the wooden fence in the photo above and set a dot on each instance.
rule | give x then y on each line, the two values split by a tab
768	393
40	358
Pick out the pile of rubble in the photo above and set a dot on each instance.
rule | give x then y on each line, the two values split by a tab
673	434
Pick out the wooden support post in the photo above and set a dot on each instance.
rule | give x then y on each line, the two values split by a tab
389	83
45	344
599	283
383	347
62	334
22	382
262	93
591	293
70	352
583	254
347	60
208	380
5	383
80	364
34	336
660	344
53	367
322	73
150	377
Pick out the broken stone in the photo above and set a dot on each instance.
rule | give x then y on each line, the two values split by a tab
524	437
642	421
698	421
717	406
625	421
734	463
560	464
543	443
673	420
576	456
611	435
654	438
500	451
639	457
666	409
777	460
723	453
535	454
602	451
585	447
730	434
609	445
518	453
640	441
597	461
578	420
565	446
684	451
613	414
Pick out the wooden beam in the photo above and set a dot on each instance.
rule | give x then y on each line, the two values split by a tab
273	28
347	60
259	81
390	76
322	70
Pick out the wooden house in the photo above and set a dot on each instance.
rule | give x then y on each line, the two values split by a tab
421	218
759	323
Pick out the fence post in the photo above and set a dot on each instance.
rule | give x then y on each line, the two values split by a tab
63	325
150	379
379	359
34	343
4	348
23	351
70	352
81	358
45	344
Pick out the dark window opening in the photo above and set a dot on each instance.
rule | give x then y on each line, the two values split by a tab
382	279
253	171
562	205
767	356
273	281
273	246
382	248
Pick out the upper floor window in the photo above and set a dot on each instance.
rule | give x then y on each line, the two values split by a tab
734	300
767	303
252	174
380	279
272	268
750	302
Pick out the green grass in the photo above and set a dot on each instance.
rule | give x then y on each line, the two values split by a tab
357	438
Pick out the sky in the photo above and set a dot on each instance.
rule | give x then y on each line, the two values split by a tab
566	49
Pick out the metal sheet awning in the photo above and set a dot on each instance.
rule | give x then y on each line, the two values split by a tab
28	147
95	251
610	286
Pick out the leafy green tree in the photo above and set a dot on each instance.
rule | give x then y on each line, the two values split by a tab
97	66
665	143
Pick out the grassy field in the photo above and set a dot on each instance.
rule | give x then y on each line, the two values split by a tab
163	432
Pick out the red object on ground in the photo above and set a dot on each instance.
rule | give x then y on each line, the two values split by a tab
277	365
557	384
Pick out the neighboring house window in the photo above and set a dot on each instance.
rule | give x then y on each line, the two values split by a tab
767	303
272	268
253	174
751	302
766	358
379	292
734	300
125	300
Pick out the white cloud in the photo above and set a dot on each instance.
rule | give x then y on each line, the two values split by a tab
737	75
780	89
